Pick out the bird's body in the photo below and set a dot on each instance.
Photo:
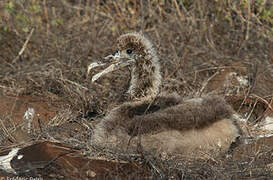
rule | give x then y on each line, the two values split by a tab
165	122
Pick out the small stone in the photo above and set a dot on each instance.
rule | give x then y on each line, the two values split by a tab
52	175
90	173
270	166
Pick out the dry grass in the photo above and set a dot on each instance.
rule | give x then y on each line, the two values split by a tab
45	47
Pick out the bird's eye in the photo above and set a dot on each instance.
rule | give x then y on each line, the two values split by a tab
129	51
115	53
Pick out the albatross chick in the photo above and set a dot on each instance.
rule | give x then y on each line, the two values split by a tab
165	122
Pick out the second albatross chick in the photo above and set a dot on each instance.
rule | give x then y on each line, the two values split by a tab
166	122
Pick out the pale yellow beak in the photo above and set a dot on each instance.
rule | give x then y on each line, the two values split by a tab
116	62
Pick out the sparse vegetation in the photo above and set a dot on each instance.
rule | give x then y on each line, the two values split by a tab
46	45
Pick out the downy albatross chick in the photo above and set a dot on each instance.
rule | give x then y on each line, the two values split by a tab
165	122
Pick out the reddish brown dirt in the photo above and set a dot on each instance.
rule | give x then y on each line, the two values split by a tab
224	81
15	108
12	113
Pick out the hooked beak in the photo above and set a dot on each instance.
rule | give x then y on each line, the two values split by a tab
116	62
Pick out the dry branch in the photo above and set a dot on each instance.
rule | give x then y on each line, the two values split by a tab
24	46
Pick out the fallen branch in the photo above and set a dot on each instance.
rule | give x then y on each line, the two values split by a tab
24	46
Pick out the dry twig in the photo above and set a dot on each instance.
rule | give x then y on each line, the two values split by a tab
24	46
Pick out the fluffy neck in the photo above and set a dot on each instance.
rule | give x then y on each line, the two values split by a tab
145	76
